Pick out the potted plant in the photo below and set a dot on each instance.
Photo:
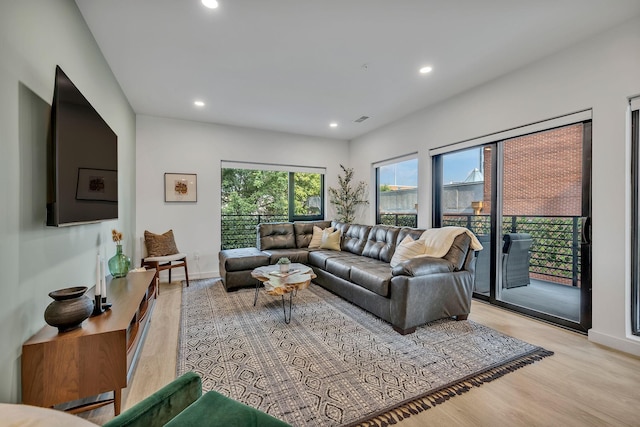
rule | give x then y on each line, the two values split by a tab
284	264
348	196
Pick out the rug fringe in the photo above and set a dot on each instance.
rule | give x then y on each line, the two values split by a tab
441	395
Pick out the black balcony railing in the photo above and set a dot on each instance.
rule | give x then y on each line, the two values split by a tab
239	231
400	220
555	252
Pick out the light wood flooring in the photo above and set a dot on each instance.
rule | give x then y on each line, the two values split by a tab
583	384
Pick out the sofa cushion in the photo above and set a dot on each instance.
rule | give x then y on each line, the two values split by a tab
342	226
339	266
242	259
407	249
421	266
316	237
276	235
415	233
373	275
458	252
381	243
355	238
295	255
318	258
330	239
304	231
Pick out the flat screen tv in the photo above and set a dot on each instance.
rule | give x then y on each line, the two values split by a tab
82	160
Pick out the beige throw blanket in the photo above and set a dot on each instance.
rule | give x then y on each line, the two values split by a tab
438	241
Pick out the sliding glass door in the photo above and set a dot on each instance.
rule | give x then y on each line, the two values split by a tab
465	200
527	199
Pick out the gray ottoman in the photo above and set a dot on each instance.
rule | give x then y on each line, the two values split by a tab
236	266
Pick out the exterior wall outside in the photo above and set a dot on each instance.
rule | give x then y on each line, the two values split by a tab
457	198
35	36
399	201
597	74
542	174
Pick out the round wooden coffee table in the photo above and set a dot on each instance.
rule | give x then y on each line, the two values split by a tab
280	284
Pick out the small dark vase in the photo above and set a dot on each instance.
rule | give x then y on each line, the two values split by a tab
119	264
69	309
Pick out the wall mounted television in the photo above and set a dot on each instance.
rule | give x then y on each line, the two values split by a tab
82	160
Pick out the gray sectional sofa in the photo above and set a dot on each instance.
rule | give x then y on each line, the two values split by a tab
412	293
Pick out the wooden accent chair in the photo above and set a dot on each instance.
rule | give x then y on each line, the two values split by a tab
160	261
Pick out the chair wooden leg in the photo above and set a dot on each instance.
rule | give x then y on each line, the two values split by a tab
186	273
169	274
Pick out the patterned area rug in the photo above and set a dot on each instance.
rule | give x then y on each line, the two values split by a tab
334	364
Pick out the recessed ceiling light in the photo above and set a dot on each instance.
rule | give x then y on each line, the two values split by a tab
333	125
425	70
198	103
211	4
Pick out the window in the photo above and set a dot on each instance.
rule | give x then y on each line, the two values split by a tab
306	196
255	193
397	192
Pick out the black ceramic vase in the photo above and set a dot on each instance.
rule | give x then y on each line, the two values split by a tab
70	308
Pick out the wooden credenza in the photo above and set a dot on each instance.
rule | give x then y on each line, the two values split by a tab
97	358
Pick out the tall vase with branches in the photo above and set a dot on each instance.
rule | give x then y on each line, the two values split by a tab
348	196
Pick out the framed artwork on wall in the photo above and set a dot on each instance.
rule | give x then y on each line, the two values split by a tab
180	187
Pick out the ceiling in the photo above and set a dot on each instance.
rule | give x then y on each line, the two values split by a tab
297	65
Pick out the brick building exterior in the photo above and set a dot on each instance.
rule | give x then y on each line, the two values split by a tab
542	173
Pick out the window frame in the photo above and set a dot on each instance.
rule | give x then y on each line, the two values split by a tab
292	215
635	222
376	170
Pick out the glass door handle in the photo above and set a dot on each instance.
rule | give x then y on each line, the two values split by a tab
585	235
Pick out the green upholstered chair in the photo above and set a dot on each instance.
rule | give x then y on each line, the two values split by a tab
181	403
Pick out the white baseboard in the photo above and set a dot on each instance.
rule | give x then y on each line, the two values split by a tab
627	345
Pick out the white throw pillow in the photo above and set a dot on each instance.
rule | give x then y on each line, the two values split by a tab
407	249
316	238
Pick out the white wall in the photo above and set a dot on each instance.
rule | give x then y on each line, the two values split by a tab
166	145
35	259
601	74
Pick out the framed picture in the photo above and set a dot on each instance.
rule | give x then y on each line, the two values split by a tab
180	187
97	184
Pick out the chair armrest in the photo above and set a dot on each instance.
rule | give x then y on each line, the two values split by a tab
163	405
421	266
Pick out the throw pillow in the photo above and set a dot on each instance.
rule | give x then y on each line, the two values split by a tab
160	244
330	240
407	249
316	238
